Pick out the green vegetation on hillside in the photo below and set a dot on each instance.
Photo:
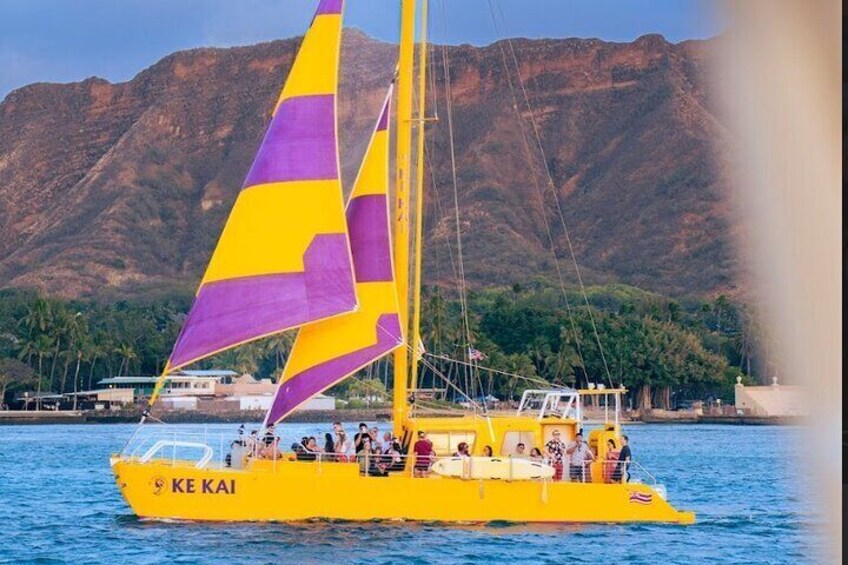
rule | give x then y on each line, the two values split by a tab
662	350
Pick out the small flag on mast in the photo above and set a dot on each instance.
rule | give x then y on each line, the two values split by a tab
475	355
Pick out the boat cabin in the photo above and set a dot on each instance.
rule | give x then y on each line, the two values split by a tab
540	413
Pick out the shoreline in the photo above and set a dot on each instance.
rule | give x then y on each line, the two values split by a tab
43	417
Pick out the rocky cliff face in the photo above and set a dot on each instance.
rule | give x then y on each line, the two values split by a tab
124	186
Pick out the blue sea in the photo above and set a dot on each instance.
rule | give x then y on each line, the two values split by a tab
59	504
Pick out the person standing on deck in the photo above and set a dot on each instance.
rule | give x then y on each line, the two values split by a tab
360	437
610	461
423	450
252	443
341	445
621	473
555	449
578	454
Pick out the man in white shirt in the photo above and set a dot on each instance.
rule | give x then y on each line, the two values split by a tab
520	451
578	454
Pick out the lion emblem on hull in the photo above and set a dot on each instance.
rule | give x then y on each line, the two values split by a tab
158	485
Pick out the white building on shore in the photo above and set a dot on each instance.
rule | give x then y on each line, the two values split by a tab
212	390
769	401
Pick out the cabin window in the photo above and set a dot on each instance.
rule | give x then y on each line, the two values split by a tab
513	438
445	443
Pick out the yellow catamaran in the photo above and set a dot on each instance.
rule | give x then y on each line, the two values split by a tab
292	255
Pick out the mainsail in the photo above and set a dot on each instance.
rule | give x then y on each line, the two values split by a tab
283	259
326	352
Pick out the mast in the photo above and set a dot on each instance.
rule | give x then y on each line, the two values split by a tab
419	197
406	62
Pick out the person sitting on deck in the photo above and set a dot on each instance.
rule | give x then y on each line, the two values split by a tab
394	456
424	455
299	451
305	454
268	436
520	453
312	445
462	450
329	447
487	451
536	455
272	451
379	459
369	460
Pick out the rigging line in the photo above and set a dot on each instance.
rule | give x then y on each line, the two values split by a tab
449	110
427	155
552	187
427	364
538	380
540	195
439	206
435	191
434	96
430	69
434	406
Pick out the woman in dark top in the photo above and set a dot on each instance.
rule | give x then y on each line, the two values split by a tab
329	447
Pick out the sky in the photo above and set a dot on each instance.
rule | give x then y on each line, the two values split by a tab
69	40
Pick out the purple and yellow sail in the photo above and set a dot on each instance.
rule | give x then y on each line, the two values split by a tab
283	259
326	352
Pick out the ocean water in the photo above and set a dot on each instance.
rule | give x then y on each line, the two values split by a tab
59	504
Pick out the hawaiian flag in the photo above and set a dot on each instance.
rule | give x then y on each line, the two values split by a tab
640	497
475	355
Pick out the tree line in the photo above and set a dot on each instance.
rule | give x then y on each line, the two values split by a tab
663	350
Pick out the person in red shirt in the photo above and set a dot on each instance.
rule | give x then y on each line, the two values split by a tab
424	455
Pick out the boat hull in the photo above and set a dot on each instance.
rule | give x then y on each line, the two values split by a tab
296	491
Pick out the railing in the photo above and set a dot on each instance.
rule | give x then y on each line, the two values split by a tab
208	449
201	449
174	444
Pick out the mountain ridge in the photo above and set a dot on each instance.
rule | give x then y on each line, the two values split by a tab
127	185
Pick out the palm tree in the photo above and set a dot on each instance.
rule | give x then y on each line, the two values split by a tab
28	350
59	332
38	317
43	346
127	354
39	346
82	347
94	352
77	333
